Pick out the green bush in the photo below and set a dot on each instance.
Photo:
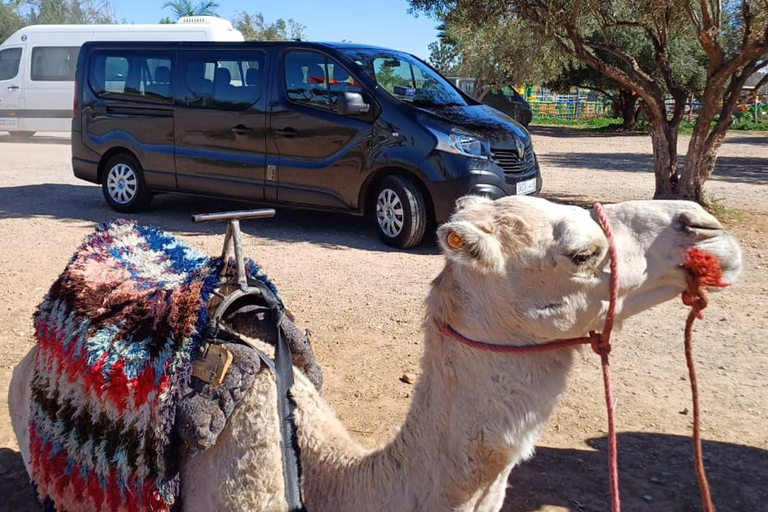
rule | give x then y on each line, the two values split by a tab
742	121
593	124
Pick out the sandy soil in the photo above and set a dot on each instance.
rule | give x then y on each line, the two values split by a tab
363	303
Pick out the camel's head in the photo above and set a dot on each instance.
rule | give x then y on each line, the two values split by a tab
527	269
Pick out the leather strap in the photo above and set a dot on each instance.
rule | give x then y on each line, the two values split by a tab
285	405
283	369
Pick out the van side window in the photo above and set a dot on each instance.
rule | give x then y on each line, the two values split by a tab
9	63
306	79
132	76
222	79
53	64
313	79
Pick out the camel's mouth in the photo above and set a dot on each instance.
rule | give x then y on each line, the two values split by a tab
708	270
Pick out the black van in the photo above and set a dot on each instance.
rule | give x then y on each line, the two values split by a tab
339	127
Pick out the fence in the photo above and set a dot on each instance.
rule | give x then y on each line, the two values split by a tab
570	109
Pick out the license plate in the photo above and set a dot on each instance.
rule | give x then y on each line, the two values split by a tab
8	122
525	187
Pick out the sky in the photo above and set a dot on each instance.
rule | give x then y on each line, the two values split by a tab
376	22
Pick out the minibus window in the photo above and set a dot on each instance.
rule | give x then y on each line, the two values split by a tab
54	64
9	63
406	78
223	79
132	76
314	79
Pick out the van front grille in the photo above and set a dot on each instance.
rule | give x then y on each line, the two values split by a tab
511	163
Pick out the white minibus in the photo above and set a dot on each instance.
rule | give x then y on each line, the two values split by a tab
37	66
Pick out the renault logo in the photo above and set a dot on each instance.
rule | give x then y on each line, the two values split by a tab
520	147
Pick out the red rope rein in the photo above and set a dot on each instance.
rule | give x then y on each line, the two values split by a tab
704	270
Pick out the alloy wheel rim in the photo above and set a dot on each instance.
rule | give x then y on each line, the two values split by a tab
390	213
122	184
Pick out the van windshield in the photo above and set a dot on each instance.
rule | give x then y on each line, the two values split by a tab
406	78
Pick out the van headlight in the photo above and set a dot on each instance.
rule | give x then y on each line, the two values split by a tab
461	143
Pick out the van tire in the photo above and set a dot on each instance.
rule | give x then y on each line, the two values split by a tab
123	186
399	193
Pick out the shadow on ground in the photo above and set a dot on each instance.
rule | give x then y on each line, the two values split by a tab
37	139
656	473
727	168
564	131
15	489
757	140
172	212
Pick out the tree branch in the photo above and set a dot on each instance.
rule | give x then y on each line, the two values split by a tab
763	81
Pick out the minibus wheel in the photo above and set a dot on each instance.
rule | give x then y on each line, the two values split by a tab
399	211
123	184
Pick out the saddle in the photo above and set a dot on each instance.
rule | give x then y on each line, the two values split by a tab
137	349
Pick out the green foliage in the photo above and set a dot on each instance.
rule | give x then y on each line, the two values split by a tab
444	57
750	125
498	52
600	124
605	124
16	15
655	48
10	20
65	12
255	28
181	8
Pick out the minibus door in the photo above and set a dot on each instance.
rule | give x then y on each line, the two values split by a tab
10	86
220	121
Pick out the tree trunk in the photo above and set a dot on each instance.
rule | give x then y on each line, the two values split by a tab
627	103
664	142
699	164
706	141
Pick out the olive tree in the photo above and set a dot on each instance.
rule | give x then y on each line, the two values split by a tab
255	28
731	43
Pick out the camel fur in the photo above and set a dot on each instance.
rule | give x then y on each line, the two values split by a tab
526	271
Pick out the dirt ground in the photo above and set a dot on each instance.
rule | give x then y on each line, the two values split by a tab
364	304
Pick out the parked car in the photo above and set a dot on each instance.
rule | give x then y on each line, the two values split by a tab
511	103
505	99
37	66
338	127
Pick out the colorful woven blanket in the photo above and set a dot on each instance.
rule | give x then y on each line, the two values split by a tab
116	335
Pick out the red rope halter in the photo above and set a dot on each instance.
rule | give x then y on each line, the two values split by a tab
704	271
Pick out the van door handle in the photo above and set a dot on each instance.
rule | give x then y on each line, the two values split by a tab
287	132
241	130
13	87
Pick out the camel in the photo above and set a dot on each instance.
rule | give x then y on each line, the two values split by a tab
518	271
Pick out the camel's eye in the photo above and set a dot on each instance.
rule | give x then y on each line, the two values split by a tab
584	256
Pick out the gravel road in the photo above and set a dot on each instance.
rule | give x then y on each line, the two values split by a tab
363	302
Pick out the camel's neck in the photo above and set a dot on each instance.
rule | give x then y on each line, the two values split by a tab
474	415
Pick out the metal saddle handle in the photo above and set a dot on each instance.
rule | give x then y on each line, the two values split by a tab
233	234
283	366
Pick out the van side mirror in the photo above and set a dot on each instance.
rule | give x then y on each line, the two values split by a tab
351	103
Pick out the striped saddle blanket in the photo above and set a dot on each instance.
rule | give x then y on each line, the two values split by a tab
116	334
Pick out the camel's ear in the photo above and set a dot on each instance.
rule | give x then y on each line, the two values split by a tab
464	241
466	201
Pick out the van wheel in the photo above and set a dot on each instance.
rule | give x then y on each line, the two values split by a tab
123	184
400	212
18	136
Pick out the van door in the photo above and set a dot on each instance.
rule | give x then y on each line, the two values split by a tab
129	104
10	86
220	121
323	156
49	86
